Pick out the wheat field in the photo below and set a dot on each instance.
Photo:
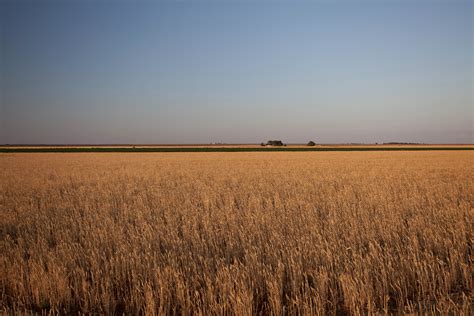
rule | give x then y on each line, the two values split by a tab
237	233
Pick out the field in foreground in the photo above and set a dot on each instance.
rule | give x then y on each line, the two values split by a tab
238	233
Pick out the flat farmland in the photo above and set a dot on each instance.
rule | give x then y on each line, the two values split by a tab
227	148
237	233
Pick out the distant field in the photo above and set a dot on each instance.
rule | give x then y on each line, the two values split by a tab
227	148
237	233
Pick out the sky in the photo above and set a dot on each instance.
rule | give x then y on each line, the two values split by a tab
179	72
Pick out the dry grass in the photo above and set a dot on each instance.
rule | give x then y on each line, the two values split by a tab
239	233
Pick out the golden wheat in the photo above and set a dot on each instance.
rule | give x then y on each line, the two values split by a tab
237	233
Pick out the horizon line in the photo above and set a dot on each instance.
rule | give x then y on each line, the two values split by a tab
219	144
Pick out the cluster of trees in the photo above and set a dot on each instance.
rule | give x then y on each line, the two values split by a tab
280	143
273	143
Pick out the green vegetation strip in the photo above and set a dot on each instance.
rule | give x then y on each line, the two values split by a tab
211	149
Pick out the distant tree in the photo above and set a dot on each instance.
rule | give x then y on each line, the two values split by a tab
275	143
262	144
311	143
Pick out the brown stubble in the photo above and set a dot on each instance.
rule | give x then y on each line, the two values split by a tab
239	233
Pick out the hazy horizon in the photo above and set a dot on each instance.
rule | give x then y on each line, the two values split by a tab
123	72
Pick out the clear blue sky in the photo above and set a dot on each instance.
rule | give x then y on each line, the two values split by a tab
236	72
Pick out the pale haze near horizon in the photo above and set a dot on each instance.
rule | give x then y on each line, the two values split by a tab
108	72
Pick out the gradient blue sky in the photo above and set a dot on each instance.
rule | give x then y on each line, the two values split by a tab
237	72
